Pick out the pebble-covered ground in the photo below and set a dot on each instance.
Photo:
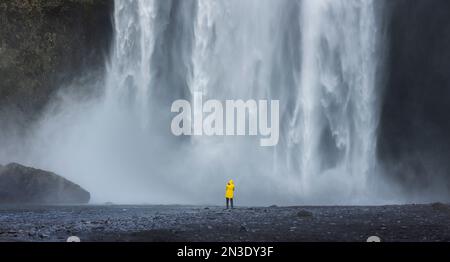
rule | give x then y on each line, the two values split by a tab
195	223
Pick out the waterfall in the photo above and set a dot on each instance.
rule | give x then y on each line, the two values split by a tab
339	94
318	57
130	71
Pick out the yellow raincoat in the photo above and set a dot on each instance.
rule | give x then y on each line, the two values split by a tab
229	192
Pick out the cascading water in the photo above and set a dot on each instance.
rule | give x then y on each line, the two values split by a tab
318	57
339	95
130	70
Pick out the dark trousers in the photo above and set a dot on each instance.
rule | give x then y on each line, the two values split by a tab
229	200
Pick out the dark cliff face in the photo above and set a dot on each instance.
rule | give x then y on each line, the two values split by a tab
414	136
45	44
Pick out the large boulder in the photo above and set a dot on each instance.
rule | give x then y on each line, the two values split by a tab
25	185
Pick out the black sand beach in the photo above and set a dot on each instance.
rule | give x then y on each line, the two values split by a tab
427	223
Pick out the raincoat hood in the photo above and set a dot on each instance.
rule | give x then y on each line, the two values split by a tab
229	192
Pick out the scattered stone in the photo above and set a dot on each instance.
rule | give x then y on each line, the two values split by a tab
441	207
304	214
42	235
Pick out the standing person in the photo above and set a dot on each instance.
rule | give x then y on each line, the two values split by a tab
229	193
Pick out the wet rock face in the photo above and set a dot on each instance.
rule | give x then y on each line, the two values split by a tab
25	185
47	44
414	129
